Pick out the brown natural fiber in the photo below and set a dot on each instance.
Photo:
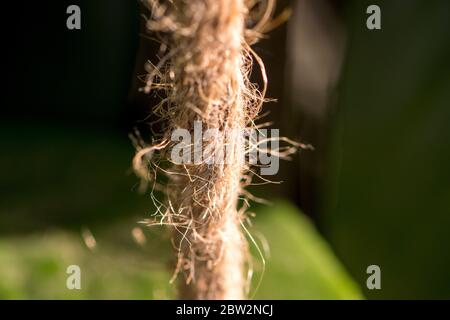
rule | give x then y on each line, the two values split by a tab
204	74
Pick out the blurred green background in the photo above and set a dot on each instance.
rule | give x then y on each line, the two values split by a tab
375	191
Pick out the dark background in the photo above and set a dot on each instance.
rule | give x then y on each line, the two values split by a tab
377	185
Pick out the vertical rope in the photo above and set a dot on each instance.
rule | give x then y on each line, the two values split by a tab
204	74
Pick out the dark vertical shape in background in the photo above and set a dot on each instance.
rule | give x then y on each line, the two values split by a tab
315	51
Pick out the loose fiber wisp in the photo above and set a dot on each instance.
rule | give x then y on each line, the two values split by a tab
203	77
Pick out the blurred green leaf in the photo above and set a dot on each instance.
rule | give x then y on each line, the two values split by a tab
300	266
